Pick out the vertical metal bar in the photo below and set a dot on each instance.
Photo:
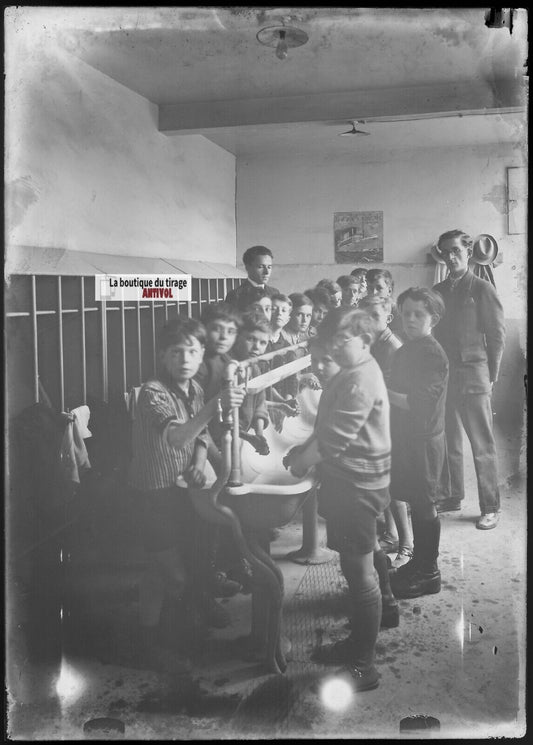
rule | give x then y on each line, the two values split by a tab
123	347
189	302
139	342
103	328
153	340
83	347
208	293
199	298
166	311
225	286
60	340
34	340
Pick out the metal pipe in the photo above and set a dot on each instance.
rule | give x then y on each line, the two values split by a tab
123	346
230	376
139	343
154	355
103	328
83	347
271	355
60	341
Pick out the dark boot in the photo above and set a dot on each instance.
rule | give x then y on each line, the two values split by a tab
357	650
421	575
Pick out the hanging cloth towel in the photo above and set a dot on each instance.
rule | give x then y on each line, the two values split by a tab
83	414
73	454
131	401
441	272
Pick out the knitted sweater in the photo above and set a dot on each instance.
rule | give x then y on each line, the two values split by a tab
352	426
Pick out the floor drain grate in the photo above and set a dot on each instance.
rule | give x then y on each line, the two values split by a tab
277	705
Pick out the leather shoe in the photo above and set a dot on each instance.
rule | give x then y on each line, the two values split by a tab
488	521
390	615
360	679
448	505
340	653
415	583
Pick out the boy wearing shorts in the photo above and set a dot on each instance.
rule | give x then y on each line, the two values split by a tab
351	447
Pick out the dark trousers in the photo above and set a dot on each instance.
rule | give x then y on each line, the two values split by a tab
474	412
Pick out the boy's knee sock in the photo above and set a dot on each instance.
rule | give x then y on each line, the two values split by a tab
366	620
382	569
426	540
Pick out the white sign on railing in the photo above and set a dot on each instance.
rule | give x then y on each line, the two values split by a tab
176	287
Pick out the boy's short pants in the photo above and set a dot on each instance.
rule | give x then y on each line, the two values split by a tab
168	519
350	513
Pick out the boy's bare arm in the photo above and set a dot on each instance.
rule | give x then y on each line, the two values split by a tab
399	399
180	434
300	459
194	475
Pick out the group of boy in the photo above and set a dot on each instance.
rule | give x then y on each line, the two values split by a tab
381	427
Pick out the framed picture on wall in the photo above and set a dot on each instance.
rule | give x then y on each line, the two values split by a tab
516	200
358	237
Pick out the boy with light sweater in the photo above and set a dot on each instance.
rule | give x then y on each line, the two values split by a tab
351	446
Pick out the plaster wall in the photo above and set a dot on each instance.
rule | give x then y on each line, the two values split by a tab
88	170
288	204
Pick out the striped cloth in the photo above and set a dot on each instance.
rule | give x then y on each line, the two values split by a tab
353	428
155	464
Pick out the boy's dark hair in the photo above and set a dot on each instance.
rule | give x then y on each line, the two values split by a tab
433	302
346	280
369	300
465	239
254	322
316	341
330	285
298	299
359	272
180	330
375	274
251	296
319	296
221	312
358	321
280	297
251	253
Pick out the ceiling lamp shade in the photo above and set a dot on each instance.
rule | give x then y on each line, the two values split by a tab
353	131
282	38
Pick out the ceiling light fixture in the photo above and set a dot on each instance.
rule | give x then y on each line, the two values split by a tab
282	38
353	130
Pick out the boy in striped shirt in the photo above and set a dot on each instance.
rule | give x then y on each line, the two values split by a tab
169	440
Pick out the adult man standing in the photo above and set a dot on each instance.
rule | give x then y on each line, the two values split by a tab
257	261
472	333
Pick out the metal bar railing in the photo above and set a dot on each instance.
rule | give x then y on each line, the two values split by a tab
99	338
34	340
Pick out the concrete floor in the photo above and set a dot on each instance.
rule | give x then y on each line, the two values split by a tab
458	656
